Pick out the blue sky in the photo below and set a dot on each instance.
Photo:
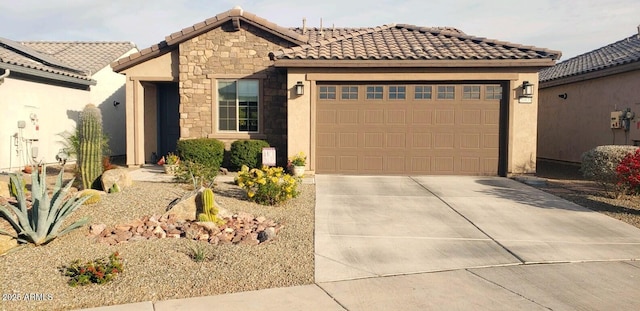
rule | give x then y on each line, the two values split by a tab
571	26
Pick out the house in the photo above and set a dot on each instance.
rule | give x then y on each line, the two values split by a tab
391	99
579	98
44	86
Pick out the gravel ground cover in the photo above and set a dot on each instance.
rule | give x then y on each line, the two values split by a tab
162	269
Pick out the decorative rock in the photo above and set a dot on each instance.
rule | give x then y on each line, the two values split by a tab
119	176
97	229
158	232
185	209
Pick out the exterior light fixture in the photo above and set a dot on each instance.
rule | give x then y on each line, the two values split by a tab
527	89
299	88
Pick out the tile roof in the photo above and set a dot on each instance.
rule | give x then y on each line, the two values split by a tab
14	53
388	42
615	54
409	42
86	56
77	60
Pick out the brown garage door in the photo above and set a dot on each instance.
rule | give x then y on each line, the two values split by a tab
401	128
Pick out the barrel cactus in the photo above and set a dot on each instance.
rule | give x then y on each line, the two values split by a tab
90	139
210	211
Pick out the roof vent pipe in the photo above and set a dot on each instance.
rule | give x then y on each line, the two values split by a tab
321	31
304	26
638	31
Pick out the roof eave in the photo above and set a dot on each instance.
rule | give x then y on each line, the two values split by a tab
591	75
47	75
315	63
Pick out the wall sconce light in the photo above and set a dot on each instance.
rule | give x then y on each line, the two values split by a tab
115	103
563	95
527	89
299	88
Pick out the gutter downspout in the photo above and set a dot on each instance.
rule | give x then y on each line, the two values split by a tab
4	75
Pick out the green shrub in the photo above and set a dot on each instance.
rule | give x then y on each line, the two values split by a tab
247	152
267	186
205	151
599	164
97	271
198	174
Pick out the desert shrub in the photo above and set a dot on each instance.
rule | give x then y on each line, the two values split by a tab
97	271
198	174
600	163
208	152
268	185
629	172
247	152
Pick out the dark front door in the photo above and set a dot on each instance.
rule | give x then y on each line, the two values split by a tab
168	118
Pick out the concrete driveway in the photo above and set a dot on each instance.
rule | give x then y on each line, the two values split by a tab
444	242
450	243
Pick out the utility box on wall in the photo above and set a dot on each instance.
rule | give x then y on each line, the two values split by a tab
615	119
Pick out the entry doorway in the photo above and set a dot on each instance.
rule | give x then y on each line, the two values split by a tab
168	117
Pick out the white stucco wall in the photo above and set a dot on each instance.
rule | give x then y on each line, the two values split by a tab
56	109
110	88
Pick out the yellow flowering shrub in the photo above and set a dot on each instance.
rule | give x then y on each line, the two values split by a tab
268	185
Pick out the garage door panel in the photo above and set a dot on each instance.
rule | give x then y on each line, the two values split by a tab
348	117
422	117
374	140
348	140
408	136
396	140
326	140
396	117
445	117
443	140
374	117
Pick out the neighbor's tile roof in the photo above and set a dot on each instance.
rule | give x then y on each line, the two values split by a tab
409	42
14	53
86	56
619	53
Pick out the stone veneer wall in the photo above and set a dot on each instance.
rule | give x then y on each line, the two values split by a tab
226	51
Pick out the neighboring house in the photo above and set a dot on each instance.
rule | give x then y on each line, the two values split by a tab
392	99
46	85
578	96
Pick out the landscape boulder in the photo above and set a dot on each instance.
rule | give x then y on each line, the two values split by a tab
118	176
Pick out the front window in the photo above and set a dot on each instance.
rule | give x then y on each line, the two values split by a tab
238	105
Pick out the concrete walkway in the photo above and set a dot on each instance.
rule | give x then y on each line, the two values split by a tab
451	243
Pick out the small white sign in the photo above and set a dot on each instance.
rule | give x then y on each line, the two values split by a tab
525	100
269	156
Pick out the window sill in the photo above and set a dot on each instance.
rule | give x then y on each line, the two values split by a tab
237	136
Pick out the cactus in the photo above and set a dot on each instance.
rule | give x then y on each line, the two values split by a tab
94	196
210	211
90	138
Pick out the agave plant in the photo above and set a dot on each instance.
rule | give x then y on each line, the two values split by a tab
41	223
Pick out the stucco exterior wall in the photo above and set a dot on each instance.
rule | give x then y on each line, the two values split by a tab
56	108
572	126
523	126
162	68
227	53
522	116
110	87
